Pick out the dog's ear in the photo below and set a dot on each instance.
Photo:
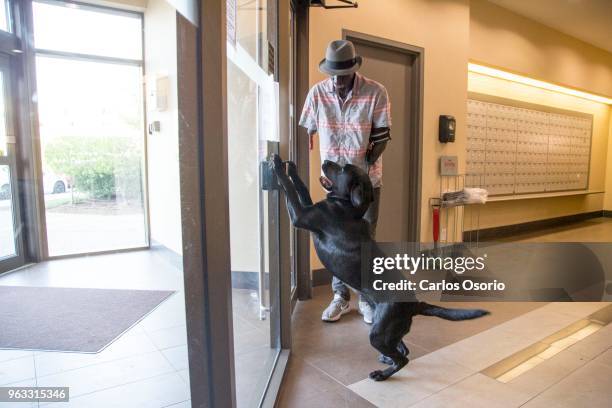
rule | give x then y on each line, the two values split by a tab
362	195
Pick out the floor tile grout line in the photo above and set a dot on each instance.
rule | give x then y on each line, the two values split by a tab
35	376
22	379
419	346
163	348
326	374
13	358
160	329
174	403
164	355
176	370
246	321
442	389
346	388
563	378
102	362
126	383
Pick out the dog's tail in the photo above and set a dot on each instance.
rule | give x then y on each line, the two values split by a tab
450	314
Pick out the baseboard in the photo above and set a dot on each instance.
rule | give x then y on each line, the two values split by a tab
240	279
248	280
491	234
607	213
168	254
321	277
245	280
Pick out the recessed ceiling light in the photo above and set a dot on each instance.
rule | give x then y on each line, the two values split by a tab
508	76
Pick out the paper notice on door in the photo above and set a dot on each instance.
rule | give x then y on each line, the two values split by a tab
269	120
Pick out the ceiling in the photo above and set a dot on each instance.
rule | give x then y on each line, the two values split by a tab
587	20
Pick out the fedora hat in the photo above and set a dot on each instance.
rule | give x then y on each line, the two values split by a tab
340	59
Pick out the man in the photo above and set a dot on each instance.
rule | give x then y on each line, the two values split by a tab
352	117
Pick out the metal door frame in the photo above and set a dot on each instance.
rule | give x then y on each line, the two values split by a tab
75	56
202	70
11	49
10	160
300	9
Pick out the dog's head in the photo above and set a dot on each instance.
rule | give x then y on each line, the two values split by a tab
349	183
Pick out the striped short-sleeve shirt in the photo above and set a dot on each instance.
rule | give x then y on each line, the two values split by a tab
344	127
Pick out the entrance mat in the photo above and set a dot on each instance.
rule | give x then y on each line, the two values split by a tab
70	319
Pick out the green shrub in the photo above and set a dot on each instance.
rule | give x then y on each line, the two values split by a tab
104	167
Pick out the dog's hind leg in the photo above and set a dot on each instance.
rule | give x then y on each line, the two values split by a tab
387	339
385	360
401	347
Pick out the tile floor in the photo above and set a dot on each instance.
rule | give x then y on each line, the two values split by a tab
451	376
147	366
328	358
149	362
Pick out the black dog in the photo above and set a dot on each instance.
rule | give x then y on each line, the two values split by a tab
338	231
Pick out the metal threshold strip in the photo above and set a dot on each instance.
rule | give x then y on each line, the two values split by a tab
519	363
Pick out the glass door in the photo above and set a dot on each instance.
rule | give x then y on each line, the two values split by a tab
252	120
11	240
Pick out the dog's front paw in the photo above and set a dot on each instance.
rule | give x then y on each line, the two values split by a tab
277	164
291	169
378	375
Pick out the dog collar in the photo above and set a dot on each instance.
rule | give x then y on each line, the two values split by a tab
331	195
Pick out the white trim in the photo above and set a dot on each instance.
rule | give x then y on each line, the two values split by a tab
542	195
118	4
243	60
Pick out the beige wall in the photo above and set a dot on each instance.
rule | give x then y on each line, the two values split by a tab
518	211
506	40
162	147
514	43
442	29
608	196
453	33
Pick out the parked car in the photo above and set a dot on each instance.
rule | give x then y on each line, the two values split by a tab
5	191
54	184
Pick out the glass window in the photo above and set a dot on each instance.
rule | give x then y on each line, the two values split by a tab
91	134
251	30
68	27
3	133
5	15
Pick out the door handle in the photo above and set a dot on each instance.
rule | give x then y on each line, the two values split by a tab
268	178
